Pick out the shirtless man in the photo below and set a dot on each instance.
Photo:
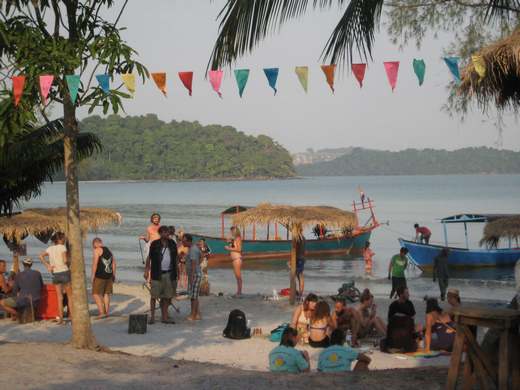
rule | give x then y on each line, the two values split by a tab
152	232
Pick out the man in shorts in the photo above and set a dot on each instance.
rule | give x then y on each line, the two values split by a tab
27	287
103	276
161	273
396	268
193	260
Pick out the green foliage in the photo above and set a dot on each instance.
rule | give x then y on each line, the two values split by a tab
416	162
143	147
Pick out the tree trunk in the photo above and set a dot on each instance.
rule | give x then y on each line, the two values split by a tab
82	336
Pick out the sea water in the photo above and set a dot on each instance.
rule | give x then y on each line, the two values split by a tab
400	201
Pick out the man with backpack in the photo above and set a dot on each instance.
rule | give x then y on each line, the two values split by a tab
285	358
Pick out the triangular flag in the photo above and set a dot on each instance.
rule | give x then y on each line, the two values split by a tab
479	64
215	79
160	81
392	68
329	74
241	76
18	84
359	73
187	80
129	81
453	66
419	67
303	75
104	82
73	81
272	76
45	86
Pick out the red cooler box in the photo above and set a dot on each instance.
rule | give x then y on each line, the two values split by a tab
48	302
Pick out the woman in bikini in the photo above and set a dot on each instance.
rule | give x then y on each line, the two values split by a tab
440	331
321	325
235	252
302	317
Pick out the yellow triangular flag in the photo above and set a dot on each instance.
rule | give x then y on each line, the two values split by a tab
479	64
129	81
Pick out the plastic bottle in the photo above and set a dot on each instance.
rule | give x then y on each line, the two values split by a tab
349	337
275	295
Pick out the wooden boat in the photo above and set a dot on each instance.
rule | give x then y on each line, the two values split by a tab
491	255
274	247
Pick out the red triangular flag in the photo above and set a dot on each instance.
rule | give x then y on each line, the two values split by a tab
359	73
18	84
392	68
187	79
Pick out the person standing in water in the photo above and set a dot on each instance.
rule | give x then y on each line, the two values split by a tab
440	271
396	270
103	276
235	252
368	254
152	232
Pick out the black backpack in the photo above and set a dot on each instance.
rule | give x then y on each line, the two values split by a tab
236	327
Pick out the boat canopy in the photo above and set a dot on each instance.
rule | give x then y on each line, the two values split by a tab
235	210
467	218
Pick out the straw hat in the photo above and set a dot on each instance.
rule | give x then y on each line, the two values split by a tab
454	292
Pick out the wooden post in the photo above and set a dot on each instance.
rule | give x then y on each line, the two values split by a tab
16	262
254	232
276	231
268	226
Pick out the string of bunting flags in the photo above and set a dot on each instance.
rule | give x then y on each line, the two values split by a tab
242	76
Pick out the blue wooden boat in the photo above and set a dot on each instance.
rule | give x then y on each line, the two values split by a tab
273	247
423	255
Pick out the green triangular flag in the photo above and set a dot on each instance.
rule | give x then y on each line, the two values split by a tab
241	75
419	67
303	75
73	82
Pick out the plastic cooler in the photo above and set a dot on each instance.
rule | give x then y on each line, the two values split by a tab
48	302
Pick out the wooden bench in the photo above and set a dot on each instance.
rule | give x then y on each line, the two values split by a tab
477	365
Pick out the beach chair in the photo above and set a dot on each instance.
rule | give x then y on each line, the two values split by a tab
28	314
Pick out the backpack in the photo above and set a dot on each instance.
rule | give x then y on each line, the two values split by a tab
236	327
276	334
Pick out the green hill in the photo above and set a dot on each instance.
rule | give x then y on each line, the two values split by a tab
145	148
361	161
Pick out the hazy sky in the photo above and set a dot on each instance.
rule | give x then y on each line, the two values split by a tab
178	35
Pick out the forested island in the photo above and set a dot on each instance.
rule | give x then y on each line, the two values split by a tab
146	148
360	161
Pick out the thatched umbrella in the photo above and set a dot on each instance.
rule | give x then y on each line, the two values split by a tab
507	227
42	223
500	85
296	219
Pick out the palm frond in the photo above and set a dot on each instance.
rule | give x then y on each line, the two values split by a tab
502	9
355	30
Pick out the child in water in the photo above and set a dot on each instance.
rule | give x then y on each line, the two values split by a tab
367	256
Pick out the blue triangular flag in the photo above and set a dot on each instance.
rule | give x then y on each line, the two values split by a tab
104	82
453	66
272	76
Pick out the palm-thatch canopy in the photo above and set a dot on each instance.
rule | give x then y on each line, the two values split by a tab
41	222
508	228
296	217
501	83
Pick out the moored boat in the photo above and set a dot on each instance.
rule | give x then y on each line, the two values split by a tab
499	228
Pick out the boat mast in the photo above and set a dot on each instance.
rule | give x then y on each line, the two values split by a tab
466	235
445	230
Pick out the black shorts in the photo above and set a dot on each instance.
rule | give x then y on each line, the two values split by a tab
320	344
398	282
300	266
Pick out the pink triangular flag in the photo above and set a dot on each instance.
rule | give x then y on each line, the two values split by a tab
359	72
45	86
215	78
392	68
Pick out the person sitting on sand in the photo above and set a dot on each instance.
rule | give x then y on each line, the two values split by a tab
346	318
401	333
161	272
370	323
339	358
103	276
285	358
193	260
302	316
27	288
320	326
439	333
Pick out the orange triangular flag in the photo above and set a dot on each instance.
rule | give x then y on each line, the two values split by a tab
18	84
329	74
160	81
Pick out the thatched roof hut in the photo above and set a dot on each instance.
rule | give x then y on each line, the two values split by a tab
500	85
507	227
296	219
43	222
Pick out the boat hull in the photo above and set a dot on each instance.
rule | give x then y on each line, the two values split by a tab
274	249
422	255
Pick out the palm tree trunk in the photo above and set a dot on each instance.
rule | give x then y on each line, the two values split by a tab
82	336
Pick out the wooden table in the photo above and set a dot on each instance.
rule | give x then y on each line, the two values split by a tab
477	365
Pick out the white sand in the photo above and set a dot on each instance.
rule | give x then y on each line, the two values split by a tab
200	341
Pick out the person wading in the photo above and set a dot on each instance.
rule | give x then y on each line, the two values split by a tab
161	273
396	269
440	271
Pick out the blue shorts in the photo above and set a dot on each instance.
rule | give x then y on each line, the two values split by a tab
300	266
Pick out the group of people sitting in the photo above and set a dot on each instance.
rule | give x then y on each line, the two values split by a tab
314	324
